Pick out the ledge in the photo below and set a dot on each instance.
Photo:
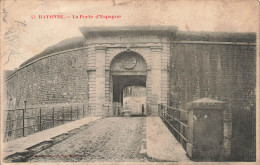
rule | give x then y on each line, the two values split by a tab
86	31
206	104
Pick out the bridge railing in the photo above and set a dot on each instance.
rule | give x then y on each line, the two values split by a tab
26	121
172	119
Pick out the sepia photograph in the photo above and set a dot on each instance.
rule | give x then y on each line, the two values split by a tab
128	81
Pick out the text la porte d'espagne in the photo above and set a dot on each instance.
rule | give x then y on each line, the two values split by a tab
80	16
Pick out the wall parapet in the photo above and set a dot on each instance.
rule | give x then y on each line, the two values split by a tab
24	65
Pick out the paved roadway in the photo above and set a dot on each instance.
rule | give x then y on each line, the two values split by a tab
109	139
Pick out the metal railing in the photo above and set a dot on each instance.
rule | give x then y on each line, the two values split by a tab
172	119
25	121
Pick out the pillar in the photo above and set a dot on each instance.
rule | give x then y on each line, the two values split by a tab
227	132
100	79
206	130
155	79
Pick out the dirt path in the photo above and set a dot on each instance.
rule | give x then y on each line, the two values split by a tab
110	139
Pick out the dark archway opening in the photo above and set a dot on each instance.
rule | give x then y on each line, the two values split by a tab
122	82
130	91
128	69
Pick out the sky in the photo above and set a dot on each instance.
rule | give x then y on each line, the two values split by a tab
24	37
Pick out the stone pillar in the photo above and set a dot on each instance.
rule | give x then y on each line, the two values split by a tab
227	132
206	130
155	79
100	79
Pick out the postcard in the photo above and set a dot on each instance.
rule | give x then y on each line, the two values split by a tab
129	82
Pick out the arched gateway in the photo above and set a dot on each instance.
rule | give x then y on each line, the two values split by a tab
122	57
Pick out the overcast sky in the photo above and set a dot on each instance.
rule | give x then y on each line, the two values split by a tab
26	37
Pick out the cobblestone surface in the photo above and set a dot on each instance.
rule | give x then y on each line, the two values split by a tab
110	139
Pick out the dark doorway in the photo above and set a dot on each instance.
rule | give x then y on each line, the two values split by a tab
122	82
128	69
